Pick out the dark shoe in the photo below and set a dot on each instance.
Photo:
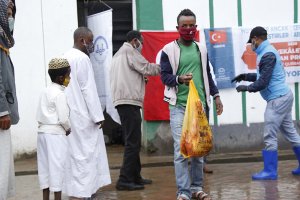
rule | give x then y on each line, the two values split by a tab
144	181
129	186
201	196
207	170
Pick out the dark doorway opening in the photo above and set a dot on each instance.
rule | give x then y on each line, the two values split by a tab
122	17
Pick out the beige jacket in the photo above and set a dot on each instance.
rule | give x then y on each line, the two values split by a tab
128	70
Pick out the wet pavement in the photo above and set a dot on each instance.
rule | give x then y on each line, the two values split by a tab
229	180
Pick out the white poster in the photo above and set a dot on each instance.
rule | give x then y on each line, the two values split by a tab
285	39
101	26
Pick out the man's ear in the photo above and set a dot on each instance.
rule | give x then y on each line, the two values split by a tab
61	79
82	40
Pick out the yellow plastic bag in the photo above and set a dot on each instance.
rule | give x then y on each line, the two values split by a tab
196	137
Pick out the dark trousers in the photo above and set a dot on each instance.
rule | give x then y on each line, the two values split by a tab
131	120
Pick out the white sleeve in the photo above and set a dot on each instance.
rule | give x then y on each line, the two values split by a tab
63	111
86	80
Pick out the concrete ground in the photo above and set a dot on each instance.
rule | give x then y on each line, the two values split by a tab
231	178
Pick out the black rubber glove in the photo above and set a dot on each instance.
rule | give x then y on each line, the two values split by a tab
239	78
242	88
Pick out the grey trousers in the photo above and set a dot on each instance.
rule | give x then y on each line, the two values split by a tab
278	117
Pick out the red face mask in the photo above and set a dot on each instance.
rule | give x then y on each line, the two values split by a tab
187	34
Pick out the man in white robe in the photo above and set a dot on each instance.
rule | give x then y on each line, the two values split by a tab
87	165
8	101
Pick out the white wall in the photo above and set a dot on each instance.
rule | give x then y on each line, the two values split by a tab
43	29
171	8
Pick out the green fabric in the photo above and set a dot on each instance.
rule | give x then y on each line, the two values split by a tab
190	62
149	15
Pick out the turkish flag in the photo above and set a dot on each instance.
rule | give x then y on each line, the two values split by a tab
217	37
154	106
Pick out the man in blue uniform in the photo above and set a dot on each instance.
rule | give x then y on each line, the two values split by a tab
270	82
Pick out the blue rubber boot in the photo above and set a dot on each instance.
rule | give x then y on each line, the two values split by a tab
297	152
270	166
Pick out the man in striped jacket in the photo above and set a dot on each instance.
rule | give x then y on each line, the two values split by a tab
181	61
